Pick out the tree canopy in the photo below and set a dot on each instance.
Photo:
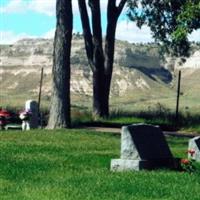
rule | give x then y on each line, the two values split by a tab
169	20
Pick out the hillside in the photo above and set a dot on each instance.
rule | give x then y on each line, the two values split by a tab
139	73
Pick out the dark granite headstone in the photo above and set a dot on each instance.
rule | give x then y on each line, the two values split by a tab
149	142
197	141
143	147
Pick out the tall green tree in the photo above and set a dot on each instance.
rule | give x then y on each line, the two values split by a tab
100	59
60	99
170	21
188	20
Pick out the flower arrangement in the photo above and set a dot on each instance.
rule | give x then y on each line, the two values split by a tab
25	115
189	164
191	152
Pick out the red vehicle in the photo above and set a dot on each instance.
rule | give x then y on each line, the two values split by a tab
5	117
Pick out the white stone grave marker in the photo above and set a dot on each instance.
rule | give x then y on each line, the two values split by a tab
32	106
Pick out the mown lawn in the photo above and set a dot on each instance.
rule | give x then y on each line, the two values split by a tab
74	165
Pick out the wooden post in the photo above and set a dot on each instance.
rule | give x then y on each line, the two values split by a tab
178	95
39	96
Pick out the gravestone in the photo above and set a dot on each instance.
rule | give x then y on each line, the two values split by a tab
32	106
143	147
194	149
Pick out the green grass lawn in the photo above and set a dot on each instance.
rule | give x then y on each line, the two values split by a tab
74	165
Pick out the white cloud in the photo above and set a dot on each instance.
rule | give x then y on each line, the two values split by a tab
125	31
43	6
46	7
50	34
104	4
9	37
130	32
75	6
14	6
195	36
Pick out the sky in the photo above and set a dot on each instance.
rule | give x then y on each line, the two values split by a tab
36	19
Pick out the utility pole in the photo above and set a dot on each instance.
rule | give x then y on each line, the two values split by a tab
178	95
39	96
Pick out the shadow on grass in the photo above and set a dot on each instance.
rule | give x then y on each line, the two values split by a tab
163	117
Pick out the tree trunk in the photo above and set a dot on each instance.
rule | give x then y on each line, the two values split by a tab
86	32
100	103
97	94
102	62
60	100
112	16
113	13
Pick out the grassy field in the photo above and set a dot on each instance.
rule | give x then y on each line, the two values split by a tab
74	164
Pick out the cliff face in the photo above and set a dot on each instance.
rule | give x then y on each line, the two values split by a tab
26	57
137	68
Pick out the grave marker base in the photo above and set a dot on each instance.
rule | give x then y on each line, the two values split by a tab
136	165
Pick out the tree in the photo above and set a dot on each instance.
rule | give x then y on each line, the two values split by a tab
188	20
170	21
100	59
60	100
